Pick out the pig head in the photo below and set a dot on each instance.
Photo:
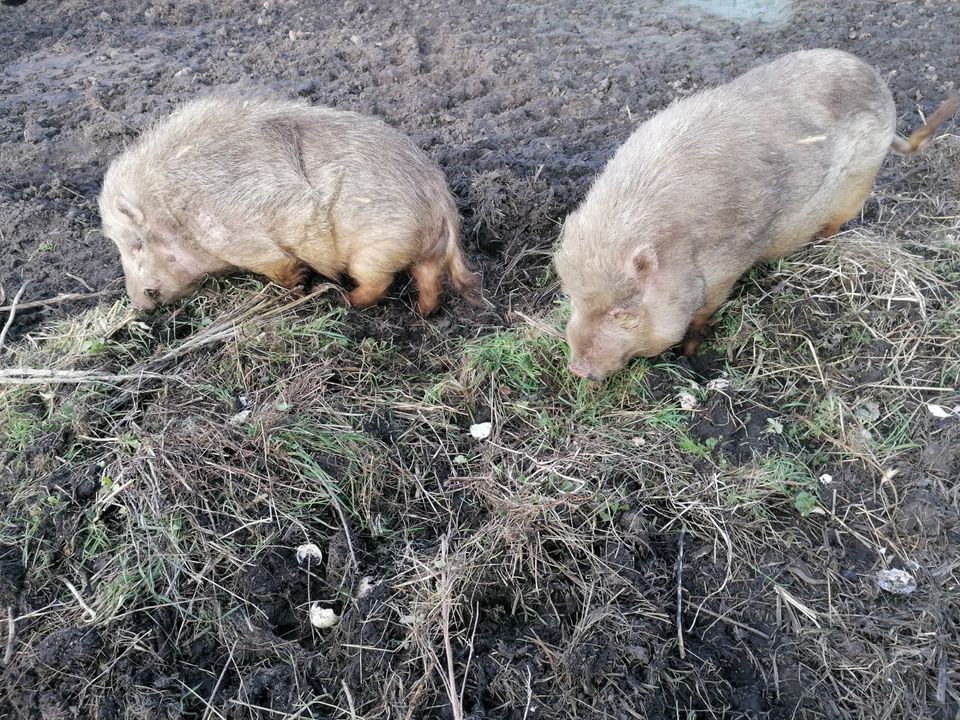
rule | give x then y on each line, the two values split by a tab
160	261
627	298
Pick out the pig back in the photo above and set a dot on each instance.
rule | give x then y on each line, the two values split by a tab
722	178
236	155
384	182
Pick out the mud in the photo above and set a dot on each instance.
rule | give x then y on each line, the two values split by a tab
520	104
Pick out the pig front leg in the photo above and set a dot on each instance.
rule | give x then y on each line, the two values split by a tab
696	333
699	327
290	274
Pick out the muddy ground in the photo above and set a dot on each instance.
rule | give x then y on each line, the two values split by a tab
520	103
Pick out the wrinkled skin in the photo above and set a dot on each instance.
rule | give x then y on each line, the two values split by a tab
603	340
157	268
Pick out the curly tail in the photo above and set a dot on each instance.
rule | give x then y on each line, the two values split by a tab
913	143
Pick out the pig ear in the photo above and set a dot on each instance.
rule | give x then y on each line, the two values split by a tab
643	267
130	209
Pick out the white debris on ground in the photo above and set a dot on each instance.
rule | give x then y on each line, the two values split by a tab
323	617
311	551
365	585
720	383
687	400
898	582
939	411
481	431
240	418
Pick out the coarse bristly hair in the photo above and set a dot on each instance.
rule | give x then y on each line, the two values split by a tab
747	171
275	187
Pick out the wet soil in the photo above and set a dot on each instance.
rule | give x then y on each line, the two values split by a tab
521	104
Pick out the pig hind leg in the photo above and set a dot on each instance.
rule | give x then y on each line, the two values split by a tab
428	275
848	204
372	281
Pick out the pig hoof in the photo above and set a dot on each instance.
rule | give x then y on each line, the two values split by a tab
690	346
828	231
358	303
425	307
295	279
361	298
692	341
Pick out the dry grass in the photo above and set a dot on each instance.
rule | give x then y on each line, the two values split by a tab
605	553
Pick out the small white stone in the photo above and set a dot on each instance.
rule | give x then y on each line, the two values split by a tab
720	383
240	418
311	551
826	478
322	617
481	431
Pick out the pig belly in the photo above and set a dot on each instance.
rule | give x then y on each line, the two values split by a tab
835	204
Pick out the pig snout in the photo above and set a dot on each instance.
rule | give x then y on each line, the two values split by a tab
593	355
142	297
150	298
148	290
145	300
582	369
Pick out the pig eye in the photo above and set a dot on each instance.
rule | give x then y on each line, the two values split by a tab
625	318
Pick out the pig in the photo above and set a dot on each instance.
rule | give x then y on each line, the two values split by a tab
745	172
279	187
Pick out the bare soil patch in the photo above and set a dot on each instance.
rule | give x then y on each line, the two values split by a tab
605	553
